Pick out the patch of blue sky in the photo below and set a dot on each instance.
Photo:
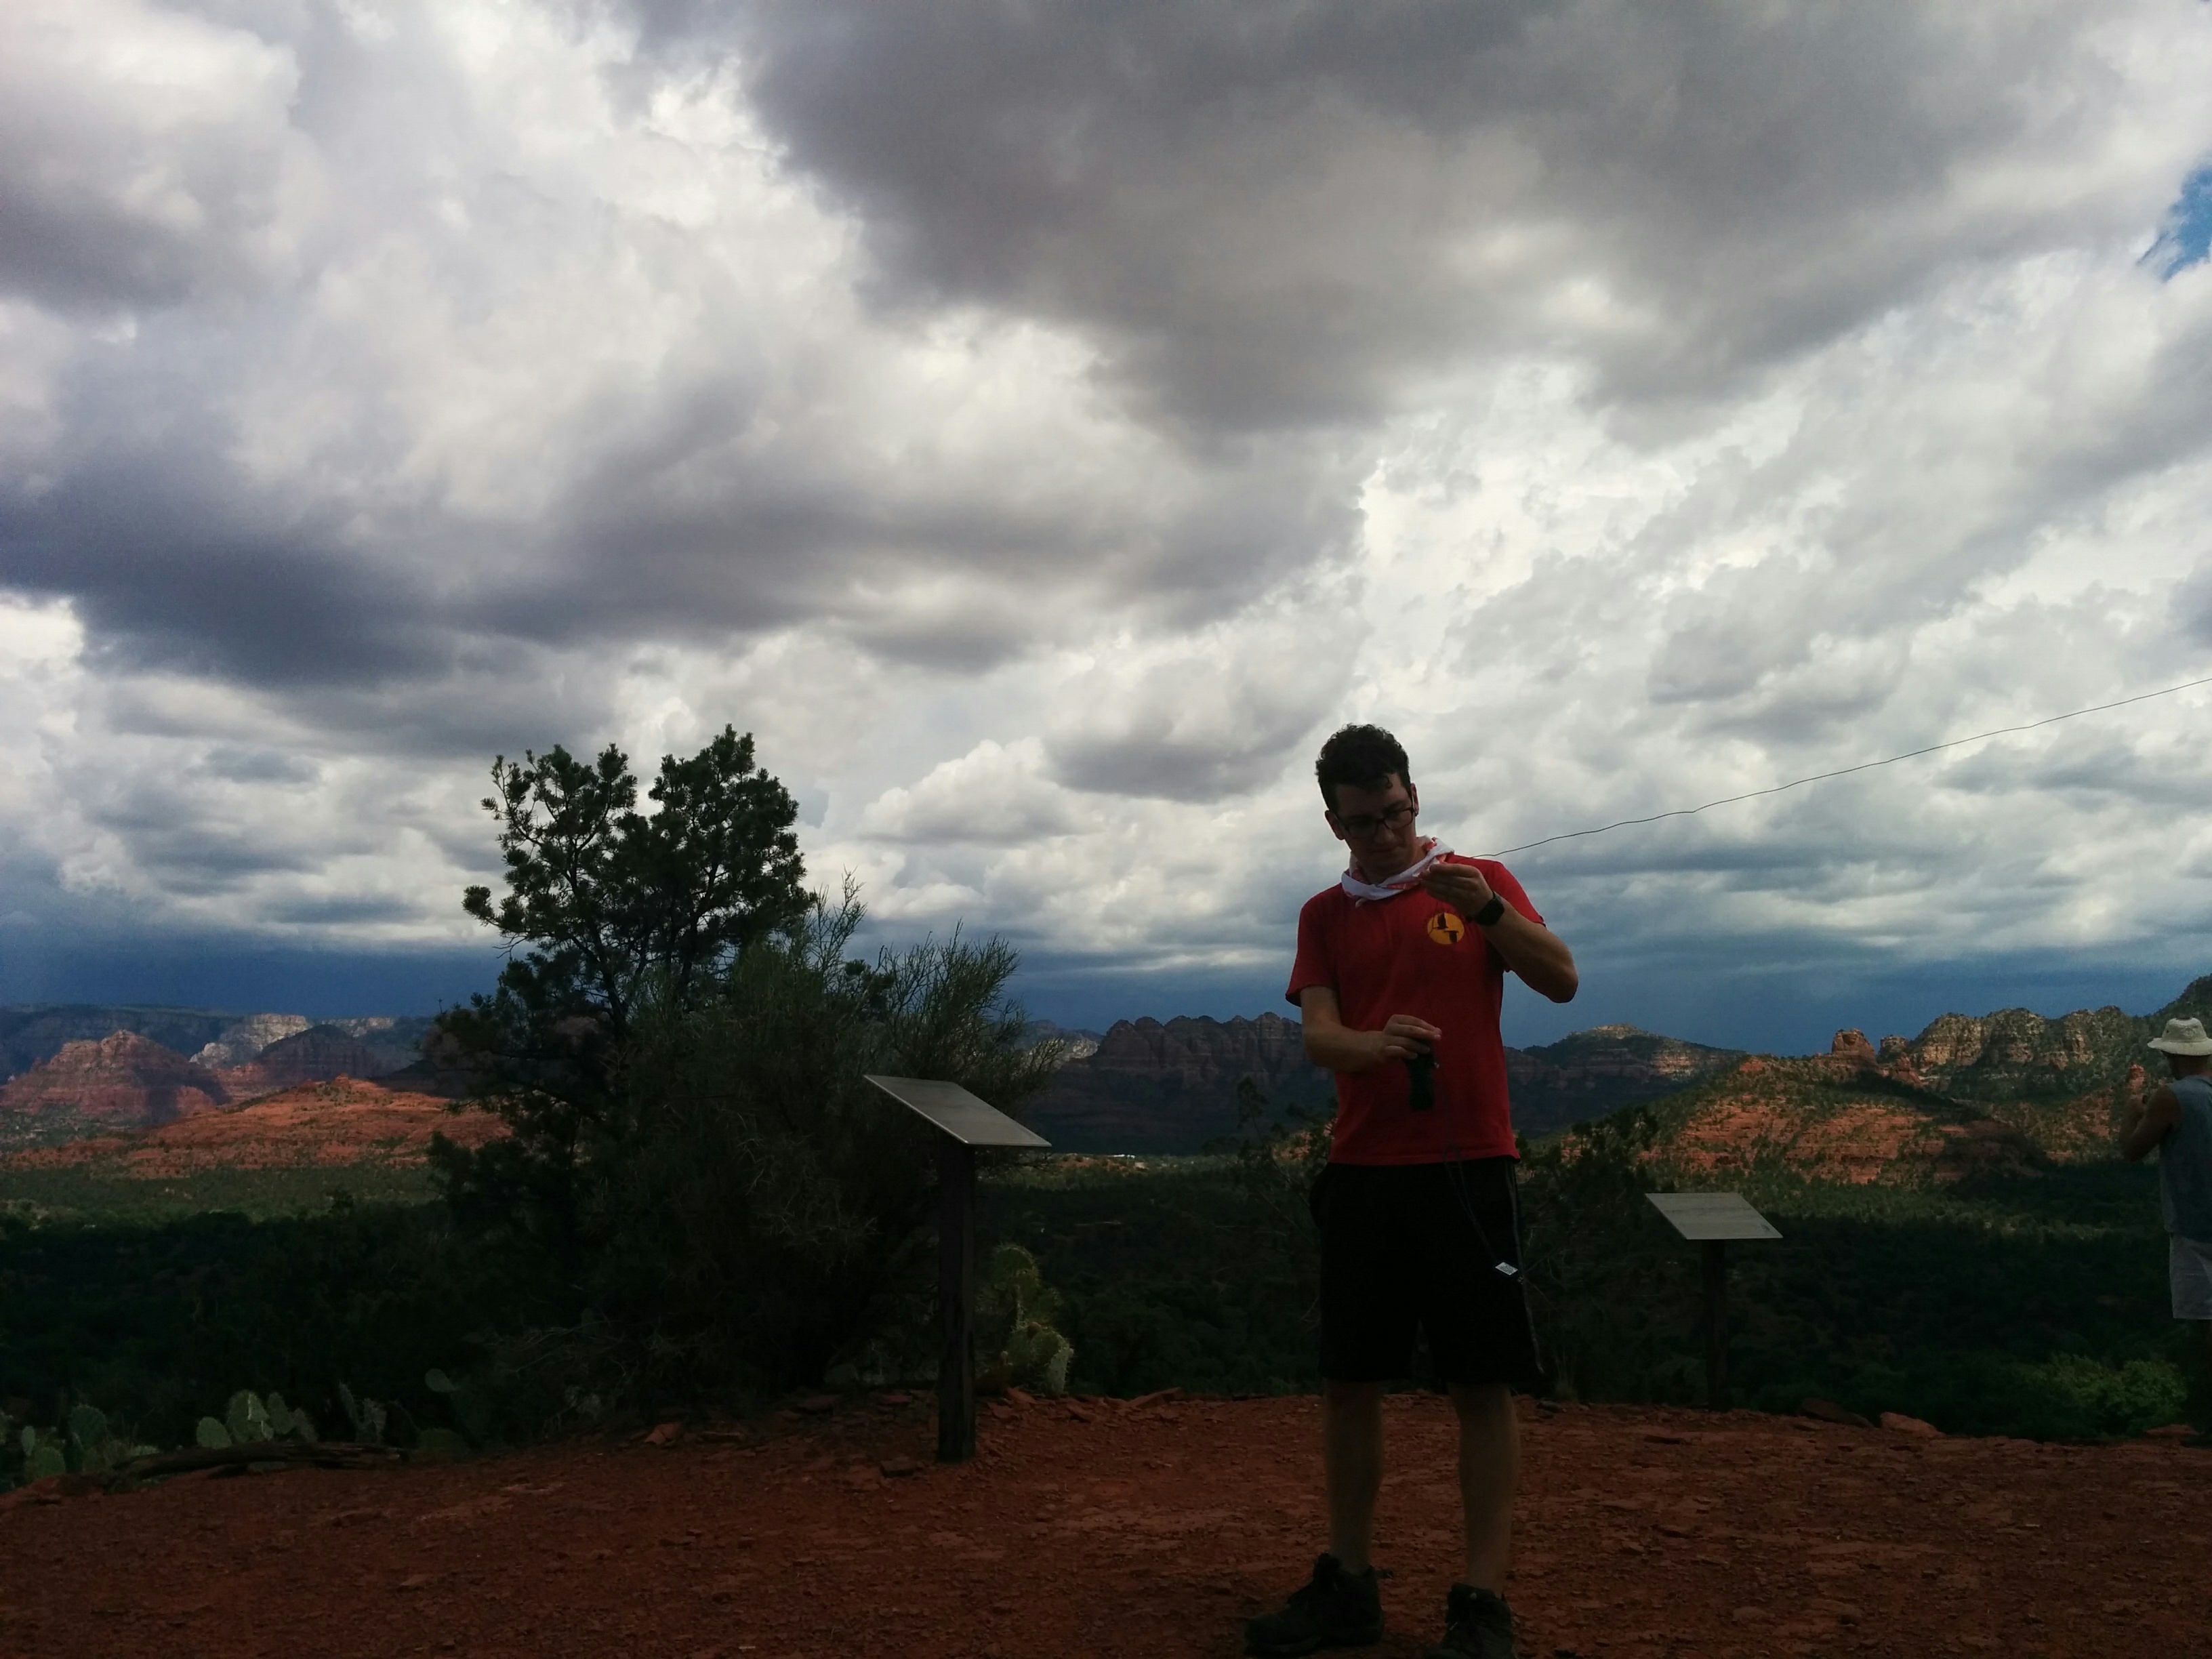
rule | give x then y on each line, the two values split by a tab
2185	239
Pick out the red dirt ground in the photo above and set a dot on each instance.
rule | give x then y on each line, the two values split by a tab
1153	1531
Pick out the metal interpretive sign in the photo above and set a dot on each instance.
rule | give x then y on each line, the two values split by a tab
1701	1216
965	1123
968	1121
1712	1221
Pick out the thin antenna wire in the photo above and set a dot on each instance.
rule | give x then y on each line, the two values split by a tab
1864	766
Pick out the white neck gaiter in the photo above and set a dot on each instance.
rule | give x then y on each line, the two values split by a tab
1372	892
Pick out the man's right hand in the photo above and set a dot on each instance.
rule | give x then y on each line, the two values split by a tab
1331	1044
1402	1037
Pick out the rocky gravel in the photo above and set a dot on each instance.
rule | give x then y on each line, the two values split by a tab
1099	1527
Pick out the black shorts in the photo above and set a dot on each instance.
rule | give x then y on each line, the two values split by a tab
1415	1246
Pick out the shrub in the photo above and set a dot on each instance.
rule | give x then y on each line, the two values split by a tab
763	1206
1613	1298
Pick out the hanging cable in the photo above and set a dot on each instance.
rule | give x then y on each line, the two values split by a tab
1845	772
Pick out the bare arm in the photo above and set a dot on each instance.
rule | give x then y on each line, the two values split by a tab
1331	1044
1531	950
2149	1119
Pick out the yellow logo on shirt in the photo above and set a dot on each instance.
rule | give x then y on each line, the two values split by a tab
1446	928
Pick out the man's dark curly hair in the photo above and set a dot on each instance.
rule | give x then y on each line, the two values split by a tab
1363	756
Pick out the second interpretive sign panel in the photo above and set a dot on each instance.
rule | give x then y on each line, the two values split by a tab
1713	1221
1703	1216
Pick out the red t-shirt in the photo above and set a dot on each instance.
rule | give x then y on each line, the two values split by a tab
1414	955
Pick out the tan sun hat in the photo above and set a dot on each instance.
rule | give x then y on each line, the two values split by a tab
2183	1036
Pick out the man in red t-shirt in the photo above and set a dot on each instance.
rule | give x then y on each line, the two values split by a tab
1401	968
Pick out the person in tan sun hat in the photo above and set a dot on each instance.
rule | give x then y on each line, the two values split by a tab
2176	1118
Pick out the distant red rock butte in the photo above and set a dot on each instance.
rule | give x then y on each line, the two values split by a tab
124	1080
341	1120
314	1056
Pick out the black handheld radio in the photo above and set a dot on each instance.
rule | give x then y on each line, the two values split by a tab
1421	1082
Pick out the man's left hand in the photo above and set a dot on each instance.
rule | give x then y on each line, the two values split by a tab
1460	885
1529	948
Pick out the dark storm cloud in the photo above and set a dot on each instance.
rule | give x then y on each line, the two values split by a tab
327	912
64	947
679	513
195	857
718	535
238	763
72	261
1197	747
1287	214
167	577
1155	762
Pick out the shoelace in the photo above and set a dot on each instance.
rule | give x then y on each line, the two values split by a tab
1316	1587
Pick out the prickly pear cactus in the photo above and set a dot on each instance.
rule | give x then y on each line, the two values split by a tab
247	1418
367	1416
1014	1288
1013	1320
93	1447
250	1418
582	1402
1055	1379
42	1456
1039	1357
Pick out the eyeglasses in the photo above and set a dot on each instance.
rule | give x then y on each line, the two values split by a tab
1362	827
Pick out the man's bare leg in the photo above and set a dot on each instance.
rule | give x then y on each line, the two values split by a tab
1489	1476
1351	1458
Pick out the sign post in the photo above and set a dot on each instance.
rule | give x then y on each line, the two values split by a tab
966	1123
1710	1221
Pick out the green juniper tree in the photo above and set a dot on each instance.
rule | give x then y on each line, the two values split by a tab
605	907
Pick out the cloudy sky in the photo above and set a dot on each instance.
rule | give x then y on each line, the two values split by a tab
1041	423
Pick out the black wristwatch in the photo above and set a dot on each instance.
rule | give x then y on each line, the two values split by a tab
1487	916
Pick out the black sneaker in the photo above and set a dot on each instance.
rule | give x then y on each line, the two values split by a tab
1333	1609
1478	1624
